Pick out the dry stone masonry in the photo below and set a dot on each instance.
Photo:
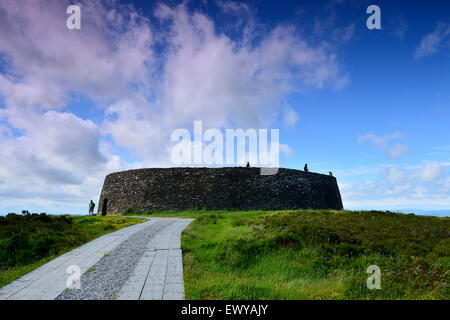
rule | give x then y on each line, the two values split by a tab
217	188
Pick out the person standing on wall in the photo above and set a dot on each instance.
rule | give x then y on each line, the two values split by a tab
91	208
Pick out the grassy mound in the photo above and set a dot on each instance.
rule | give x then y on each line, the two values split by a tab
315	255
27	242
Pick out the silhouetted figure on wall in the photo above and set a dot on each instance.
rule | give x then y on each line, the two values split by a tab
331	174
305	168
248	164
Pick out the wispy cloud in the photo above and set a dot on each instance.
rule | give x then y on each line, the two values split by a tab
393	151
431	42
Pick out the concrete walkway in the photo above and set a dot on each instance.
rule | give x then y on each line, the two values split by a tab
158	273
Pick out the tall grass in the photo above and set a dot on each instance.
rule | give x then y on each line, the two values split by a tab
315	254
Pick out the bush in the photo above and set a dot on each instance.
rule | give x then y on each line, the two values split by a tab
209	218
240	222
24	239
134	212
357	232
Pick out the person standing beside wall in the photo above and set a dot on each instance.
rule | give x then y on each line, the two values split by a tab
91	208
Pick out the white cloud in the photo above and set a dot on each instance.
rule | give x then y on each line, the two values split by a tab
431	171
290	117
398	190
54	159
397	151
59	140
402	186
431	42
400	30
394	175
420	192
285	149
397	203
356	171
446	185
49	61
380	141
222	81
359	190
384	142
56	156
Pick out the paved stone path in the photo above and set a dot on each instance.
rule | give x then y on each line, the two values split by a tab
157	269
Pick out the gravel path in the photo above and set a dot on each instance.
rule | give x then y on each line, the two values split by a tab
104	280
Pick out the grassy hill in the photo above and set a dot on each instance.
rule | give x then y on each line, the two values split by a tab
27	242
301	254
311	254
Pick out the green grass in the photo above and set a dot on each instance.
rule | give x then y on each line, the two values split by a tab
310	254
27	242
303	254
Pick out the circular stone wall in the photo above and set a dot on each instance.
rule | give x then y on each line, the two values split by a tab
217	188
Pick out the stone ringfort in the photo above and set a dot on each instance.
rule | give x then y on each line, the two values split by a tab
217	188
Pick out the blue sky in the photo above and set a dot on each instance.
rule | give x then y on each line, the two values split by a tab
372	106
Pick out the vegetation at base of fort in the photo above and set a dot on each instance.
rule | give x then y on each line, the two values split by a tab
29	241
133	212
314	254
